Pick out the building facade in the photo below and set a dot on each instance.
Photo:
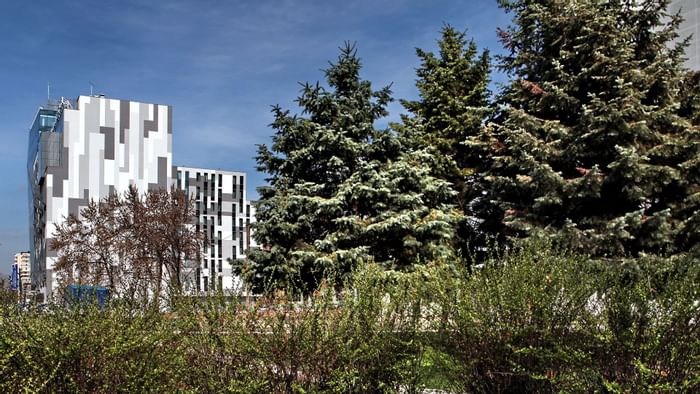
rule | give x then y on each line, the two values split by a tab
690	11
223	215
94	146
22	260
84	150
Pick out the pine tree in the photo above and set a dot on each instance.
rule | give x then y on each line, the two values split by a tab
452	107
341	191
589	148
447	118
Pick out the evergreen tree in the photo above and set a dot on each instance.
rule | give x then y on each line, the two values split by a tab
340	190
453	105
589	148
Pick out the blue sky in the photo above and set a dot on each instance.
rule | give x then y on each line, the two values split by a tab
220	64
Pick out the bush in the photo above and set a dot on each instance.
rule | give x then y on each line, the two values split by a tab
534	319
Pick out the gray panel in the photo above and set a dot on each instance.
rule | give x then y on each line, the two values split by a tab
60	174
124	117
74	204
170	119
109	142
162	175
150	125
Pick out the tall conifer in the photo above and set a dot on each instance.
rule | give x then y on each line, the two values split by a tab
589	148
341	191
452	107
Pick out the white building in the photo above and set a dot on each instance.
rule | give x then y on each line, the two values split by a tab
224	215
85	149
22	261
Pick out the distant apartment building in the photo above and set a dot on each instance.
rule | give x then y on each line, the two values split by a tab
86	149
690	11
22	260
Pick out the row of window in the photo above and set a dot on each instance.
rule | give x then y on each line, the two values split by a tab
208	283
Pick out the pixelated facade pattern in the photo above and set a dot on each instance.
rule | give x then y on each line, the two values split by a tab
85	150
223	214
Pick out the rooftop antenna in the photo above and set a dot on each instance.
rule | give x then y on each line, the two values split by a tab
48	92
92	86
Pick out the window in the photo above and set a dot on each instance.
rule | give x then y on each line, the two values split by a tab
240	234
198	175
220	180
206	202
198	276
205	264
206	283
221	266
179	179
247	210
233	252
221	284
187	187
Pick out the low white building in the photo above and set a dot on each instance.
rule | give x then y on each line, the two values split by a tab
224	215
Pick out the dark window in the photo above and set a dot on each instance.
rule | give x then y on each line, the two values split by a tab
220	180
206	202
198	175
221	266
233	251
179	179
187	187
221	284
206	283
240	234
198	277
205	263
247	210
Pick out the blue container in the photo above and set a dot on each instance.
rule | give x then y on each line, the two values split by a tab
86	294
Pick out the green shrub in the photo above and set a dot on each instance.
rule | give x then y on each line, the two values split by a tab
534	319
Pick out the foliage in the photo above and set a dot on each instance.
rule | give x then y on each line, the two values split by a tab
341	191
447	118
541	320
129	243
589	148
534	319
